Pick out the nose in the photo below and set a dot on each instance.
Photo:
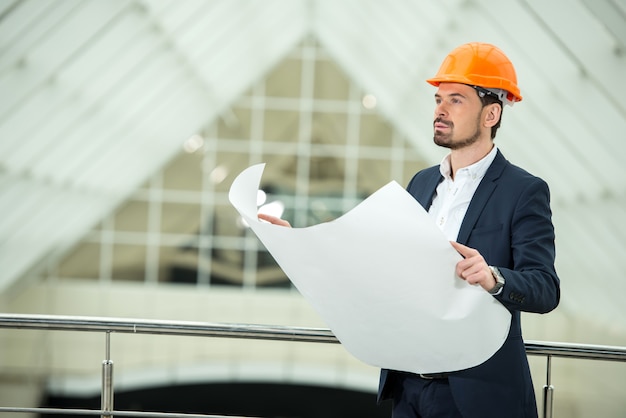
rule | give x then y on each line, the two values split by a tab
440	110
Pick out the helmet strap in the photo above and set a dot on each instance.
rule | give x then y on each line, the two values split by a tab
500	94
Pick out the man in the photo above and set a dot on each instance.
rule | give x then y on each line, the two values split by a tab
498	217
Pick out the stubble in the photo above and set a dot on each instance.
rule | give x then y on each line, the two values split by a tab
447	140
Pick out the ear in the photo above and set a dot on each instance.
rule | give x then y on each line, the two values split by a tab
492	114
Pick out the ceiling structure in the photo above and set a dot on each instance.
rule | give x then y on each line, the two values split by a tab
97	96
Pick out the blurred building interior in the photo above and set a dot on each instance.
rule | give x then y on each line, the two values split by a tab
124	122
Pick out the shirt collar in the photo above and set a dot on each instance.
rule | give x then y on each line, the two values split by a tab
475	171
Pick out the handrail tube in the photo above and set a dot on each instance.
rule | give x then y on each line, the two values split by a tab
548	391
97	412
575	350
107	378
264	332
106	402
182	328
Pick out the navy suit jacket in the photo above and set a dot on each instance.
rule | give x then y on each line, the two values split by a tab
509	222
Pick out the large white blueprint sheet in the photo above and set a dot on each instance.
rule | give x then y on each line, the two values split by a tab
382	277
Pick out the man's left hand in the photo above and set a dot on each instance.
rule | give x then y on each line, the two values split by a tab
473	268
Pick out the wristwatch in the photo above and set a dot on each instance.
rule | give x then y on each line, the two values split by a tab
499	281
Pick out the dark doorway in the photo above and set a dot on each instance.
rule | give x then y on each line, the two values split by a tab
268	400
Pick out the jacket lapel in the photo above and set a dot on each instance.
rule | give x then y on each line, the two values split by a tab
482	194
425	195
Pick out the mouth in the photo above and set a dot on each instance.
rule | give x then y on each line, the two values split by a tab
440	125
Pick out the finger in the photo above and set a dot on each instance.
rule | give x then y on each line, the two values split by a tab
464	250
273	219
474	279
269	218
469	275
479	274
468	266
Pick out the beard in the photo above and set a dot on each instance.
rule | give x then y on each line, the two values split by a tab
446	140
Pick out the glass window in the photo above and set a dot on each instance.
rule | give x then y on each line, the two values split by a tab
324	153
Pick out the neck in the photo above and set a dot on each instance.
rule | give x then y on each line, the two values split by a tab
464	157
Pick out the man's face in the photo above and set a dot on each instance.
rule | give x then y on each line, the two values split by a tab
457	119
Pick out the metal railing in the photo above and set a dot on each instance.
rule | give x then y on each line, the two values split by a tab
245	331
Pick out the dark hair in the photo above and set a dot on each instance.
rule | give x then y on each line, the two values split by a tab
486	100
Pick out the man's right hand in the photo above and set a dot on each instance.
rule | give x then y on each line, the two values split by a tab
273	220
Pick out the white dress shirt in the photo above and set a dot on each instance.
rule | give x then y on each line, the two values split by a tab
453	196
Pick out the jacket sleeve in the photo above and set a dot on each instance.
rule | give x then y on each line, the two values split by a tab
532	284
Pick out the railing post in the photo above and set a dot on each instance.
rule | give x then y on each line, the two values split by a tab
107	379
548	390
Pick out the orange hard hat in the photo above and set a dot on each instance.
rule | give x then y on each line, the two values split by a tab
481	65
